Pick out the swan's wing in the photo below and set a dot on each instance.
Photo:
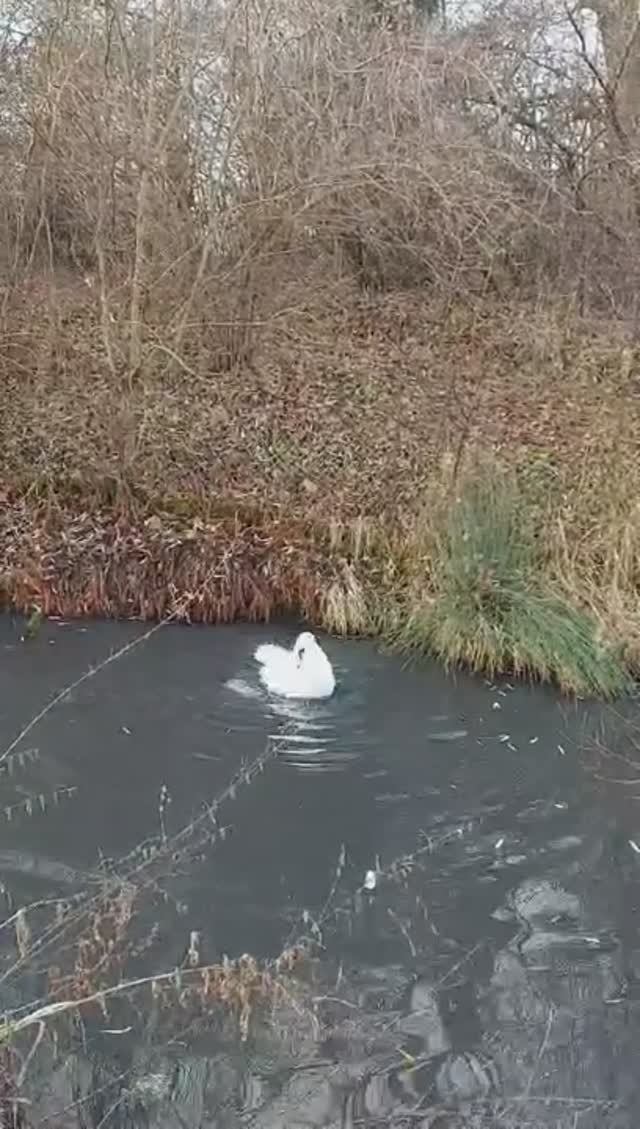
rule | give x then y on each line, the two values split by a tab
319	661
270	653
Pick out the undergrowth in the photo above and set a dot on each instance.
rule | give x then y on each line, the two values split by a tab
491	605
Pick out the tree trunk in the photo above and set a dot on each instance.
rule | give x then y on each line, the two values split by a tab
619	23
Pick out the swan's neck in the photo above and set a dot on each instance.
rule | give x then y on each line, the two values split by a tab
312	659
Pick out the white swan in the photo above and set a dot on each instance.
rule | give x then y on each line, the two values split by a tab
302	672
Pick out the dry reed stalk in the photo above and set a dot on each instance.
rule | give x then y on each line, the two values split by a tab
98	933
94	927
239	984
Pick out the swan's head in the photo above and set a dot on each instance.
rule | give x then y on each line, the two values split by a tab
303	644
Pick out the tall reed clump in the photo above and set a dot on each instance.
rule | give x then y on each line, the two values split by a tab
491	607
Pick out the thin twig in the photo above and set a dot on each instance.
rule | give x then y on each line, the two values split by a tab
459	963
405	932
90	673
542	1049
32	1050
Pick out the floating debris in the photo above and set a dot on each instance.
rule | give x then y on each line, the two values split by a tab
370	880
533	740
634	846
504	737
496	706
193	952
562	750
409	1059
499	844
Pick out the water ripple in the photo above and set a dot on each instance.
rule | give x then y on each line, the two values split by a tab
310	735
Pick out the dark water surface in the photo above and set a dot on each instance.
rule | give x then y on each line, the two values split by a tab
491	978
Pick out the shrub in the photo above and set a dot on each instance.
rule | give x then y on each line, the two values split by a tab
492	609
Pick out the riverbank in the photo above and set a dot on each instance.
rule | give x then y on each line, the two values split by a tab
322	479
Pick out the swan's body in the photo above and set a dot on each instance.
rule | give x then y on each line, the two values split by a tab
302	672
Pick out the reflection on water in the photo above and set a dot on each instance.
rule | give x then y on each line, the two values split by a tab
309	735
489	979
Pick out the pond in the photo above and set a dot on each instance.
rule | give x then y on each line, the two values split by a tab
489	977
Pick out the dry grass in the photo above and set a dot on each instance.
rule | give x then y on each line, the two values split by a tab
493	606
12	1110
255	316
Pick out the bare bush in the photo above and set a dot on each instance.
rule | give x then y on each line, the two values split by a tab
191	167
199	190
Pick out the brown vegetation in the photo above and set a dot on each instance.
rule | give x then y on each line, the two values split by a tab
90	951
272	278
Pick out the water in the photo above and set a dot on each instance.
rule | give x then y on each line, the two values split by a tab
490	978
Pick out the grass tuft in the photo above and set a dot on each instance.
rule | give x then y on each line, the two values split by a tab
345	609
491	608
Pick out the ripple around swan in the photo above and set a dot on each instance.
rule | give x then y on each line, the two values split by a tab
310	735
